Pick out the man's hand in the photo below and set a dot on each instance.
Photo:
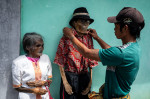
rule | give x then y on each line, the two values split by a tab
68	33
93	33
39	91
68	88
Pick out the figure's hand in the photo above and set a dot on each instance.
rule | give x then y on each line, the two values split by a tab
68	88
85	92
93	33
68	32
39	91
37	83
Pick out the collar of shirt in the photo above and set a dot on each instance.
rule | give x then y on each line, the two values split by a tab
76	34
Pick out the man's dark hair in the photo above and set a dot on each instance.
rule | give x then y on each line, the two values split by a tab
29	40
134	28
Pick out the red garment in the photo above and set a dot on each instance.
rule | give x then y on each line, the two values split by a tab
69	58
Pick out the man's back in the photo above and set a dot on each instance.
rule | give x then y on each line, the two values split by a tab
123	65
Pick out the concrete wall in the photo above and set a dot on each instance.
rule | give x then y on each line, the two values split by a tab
48	17
9	44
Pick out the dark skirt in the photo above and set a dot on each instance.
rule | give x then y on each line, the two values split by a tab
78	82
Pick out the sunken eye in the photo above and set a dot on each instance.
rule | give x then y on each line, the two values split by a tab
40	45
84	21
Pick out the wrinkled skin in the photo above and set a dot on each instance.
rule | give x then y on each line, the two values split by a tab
38	83
36	50
81	26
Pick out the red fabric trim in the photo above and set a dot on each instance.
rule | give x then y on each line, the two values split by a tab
38	74
17	86
50	97
63	94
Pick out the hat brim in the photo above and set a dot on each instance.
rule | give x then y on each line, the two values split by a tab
112	19
80	17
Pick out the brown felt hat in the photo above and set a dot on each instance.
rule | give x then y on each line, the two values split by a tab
81	13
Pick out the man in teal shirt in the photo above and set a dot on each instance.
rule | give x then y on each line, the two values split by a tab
122	67
123	61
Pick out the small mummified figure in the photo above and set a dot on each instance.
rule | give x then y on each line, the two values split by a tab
32	73
76	70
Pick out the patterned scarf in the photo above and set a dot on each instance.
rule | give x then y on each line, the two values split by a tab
33	59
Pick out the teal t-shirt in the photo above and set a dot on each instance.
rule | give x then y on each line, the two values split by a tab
122	66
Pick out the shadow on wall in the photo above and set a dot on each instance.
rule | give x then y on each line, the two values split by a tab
142	91
10	89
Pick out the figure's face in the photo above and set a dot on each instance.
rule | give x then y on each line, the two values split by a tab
36	50
119	34
81	25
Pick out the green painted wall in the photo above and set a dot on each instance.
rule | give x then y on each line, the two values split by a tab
48	17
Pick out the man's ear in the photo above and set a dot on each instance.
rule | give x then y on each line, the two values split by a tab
126	27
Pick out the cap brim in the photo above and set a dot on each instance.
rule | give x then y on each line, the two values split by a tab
112	19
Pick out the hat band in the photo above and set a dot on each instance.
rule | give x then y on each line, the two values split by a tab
80	14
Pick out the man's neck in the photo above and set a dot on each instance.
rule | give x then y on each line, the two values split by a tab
128	39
